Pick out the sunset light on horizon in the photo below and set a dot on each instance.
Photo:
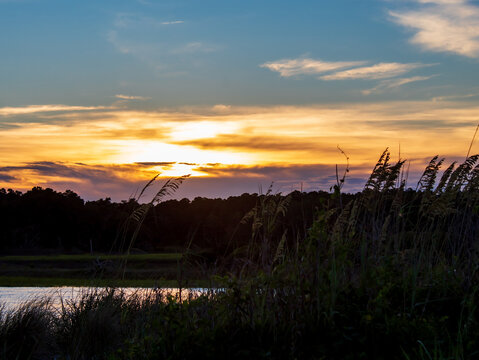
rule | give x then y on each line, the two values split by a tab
98	97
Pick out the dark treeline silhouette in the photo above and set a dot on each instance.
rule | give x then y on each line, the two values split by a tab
47	221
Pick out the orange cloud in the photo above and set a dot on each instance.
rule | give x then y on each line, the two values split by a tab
128	146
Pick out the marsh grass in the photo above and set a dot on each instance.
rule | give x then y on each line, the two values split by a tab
391	274
30	281
26	333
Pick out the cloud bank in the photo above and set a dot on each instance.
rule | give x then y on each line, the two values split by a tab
450	26
395	83
129	97
112	152
32	109
292	67
374	72
349	70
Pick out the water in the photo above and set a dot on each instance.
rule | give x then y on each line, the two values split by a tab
13	297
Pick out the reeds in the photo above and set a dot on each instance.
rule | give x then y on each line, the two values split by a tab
391	274
26	333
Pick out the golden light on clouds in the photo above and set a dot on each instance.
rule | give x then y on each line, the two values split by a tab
210	142
201	129
130	151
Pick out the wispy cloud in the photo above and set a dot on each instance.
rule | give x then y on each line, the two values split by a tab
6	178
193	47
158	43
81	171
129	97
174	22
395	83
306	66
443	26
455	97
31	109
349	70
374	72
125	47
132	20
221	107
253	142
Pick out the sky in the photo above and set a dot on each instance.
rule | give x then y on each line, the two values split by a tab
99	96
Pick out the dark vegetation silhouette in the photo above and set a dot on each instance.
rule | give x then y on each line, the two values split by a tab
45	221
388	273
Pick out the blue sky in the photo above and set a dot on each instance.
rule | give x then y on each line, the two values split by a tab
234	92
208	52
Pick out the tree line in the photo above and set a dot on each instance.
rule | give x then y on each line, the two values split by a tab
43	220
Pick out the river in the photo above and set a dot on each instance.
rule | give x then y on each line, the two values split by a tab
13	297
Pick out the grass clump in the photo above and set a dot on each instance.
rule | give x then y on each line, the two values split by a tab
26	333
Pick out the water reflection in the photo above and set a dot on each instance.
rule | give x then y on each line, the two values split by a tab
13	297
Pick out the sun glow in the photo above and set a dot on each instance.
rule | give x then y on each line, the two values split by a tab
153	151
201	129
82	150
179	169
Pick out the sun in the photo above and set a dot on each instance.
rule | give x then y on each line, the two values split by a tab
185	158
